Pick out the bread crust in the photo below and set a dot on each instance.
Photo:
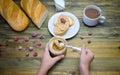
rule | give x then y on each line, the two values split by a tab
71	20
35	10
13	15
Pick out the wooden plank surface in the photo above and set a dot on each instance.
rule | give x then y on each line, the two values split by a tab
105	42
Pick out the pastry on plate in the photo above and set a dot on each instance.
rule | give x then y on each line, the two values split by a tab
62	24
71	20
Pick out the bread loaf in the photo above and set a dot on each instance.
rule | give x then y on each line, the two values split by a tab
35	10
13	15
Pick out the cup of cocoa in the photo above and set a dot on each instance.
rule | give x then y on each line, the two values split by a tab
92	15
56	46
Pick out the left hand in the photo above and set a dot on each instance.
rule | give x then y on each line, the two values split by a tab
47	61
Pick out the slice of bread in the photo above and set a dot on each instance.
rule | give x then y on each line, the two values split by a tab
61	28
71	20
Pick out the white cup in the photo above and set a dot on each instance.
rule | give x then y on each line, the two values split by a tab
93	21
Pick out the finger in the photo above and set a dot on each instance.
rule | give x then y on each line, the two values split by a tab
57	58
90	53
83	51
47	49
80	53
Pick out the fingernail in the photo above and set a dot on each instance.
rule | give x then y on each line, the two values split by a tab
62	56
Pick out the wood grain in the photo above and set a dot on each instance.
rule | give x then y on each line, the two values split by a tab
105	42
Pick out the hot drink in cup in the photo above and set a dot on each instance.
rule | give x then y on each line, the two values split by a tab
92	15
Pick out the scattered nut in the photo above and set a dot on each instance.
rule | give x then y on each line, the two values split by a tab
39	44
90	33
20	48
30	48
34	34
35	54
41	36
26	38
89	41
16	38
81	37
27	54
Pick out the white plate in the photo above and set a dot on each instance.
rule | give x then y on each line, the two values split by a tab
72	31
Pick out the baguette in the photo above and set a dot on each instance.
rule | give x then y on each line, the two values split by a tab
35	10
13	15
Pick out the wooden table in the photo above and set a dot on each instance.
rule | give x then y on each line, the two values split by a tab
105	42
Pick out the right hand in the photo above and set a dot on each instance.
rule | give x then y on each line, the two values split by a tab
86	57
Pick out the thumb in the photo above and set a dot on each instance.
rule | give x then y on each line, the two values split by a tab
57	58
46	49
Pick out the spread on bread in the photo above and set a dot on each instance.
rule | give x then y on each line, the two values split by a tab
35	10
62	24
13	15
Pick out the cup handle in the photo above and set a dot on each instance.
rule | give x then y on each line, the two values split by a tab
102	19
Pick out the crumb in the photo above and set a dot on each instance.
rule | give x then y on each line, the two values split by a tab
73	73
27	54
33	41
74	50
